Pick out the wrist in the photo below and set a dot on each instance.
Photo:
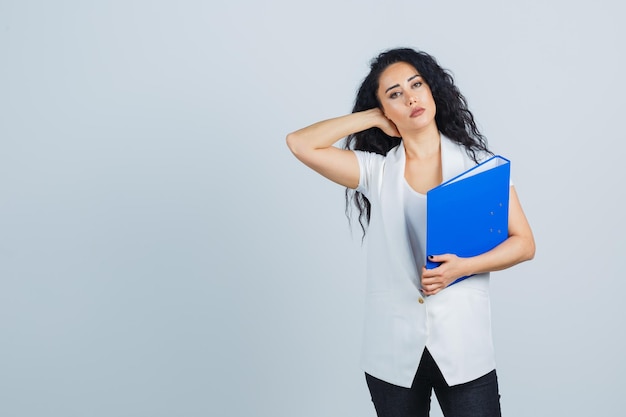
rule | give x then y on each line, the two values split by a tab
374	117
469	266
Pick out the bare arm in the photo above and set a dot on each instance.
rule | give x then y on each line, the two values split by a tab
519	247
313	145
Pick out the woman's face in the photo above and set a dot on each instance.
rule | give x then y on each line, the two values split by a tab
406	99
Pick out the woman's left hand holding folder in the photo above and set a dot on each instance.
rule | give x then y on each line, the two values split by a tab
436	279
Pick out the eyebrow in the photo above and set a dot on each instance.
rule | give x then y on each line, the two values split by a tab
398	85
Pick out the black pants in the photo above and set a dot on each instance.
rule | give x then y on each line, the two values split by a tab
478	398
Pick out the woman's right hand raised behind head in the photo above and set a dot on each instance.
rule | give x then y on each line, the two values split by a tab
384	124
313	145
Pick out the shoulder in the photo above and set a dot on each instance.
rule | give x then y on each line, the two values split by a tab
372	166
373	159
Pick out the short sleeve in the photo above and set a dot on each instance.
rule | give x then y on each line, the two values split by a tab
370	170
483	156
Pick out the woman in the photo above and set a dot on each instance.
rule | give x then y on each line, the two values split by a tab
409	131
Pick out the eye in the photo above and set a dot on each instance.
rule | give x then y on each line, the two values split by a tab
395	94
417	84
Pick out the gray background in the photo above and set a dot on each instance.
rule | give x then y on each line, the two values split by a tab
163	254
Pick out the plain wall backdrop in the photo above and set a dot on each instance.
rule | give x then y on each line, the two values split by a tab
163	254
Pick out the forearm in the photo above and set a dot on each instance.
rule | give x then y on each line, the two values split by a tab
324	134
514	250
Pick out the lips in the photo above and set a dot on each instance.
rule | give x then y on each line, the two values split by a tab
417	111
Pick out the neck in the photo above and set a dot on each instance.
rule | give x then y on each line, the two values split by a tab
423	144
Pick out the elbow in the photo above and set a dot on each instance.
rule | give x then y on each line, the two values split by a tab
299	146
292	143
530	249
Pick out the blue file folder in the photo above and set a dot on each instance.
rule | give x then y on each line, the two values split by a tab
469	214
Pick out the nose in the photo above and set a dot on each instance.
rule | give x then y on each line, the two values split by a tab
412	100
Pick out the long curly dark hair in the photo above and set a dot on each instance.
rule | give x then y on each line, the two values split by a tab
453	118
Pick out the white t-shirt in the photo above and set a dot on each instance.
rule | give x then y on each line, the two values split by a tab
415	214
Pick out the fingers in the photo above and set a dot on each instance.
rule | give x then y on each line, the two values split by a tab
432	289
433	280
436	279
432	273
440	258
391	130
432	284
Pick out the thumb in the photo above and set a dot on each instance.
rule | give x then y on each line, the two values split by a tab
436	258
